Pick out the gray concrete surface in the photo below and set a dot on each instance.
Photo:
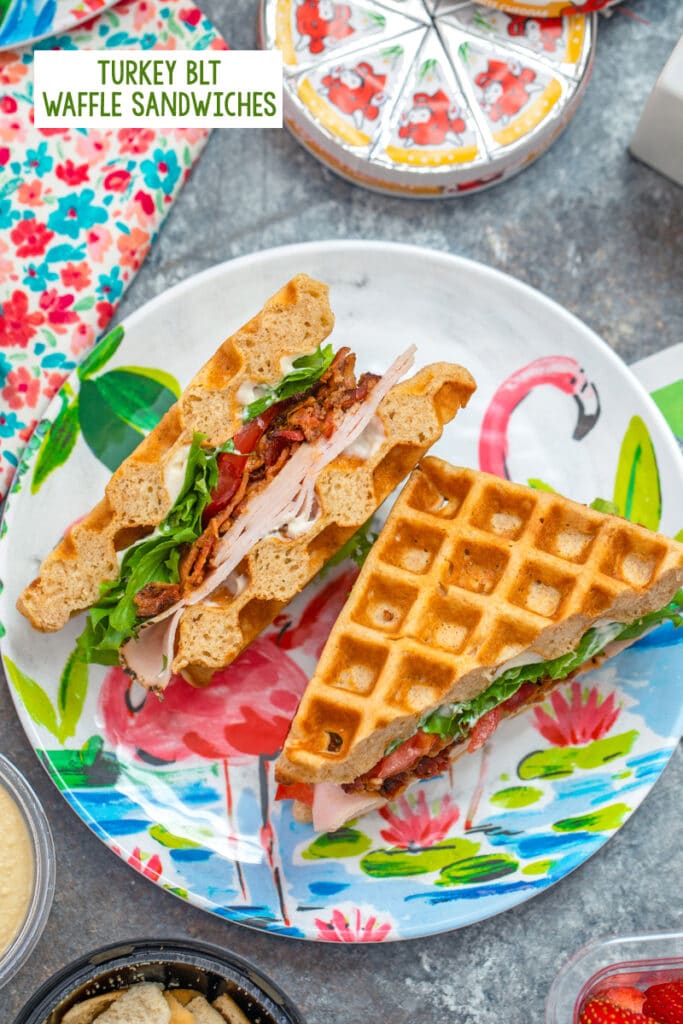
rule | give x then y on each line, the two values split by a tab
594	230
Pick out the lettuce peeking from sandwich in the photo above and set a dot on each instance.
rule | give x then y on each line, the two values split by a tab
457	719
211	475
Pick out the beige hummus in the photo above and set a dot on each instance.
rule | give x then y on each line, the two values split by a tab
16	869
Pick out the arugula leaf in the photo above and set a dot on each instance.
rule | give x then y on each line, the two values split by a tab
114	618
457	719
306	371
356	548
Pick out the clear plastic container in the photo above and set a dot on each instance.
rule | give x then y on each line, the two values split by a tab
630	960
40	903
173	963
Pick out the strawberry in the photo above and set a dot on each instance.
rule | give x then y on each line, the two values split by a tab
664	1002
625	995
603	1011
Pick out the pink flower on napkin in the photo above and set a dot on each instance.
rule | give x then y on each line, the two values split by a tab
99	240
21	388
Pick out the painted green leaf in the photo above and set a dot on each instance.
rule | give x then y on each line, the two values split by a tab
181	893
540	485
167	380
90	766
637	492
670	402
34	698
602	820
559	762
538	867
516	796
101	354
118	409
345	842
474	870
395	863
171	841
58	443
73	687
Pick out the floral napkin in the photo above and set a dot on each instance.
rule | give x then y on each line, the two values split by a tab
79	210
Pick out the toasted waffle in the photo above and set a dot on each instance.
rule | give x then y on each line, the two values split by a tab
469	572
349	490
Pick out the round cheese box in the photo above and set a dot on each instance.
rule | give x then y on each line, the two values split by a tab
426	98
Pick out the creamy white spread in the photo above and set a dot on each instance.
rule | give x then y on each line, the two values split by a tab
369	442
249	392
525	658
16	870
174	472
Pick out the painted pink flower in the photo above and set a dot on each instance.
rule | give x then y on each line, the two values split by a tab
82	338
17	325
30	193
577	721
76	275
93	147
21	388
135	140
71	173
56	307
144	12
352	928
149	866
218	44
99	240
31	237
133	248
416	826
52	383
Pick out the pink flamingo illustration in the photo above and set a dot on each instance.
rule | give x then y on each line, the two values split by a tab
561	372
243	715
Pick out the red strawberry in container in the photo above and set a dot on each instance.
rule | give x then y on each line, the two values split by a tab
664	1002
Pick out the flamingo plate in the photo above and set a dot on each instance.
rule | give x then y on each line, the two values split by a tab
183	789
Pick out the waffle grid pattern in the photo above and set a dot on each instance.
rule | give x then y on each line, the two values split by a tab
467	573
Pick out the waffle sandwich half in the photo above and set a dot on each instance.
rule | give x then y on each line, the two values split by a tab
273	456
477	598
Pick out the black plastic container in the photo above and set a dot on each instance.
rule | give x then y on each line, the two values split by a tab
175	963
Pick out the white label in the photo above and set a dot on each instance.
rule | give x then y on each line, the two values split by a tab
109	89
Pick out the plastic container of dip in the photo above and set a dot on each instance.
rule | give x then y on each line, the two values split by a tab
426	98
27	824
624	960
173	963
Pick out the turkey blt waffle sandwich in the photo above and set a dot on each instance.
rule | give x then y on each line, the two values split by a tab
479	596
274	455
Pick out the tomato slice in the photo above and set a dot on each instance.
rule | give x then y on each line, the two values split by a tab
246	439
301	791
231	465
521	697
404	756
230	471
484	729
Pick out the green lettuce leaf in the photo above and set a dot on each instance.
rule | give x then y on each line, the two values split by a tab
307	370
114	618
357	548
458	719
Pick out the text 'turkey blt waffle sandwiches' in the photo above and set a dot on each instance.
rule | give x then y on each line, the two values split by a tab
477	598
274	455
